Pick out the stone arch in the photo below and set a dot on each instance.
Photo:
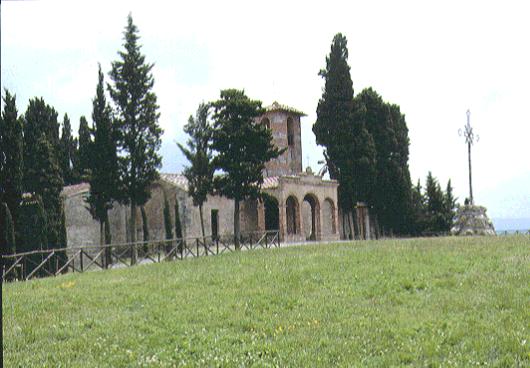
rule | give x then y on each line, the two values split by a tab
328	217
311	217
290	132
272	213
292	212
266	122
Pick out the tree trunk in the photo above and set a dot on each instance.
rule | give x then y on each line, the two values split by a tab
108	241
102	241
202	220
343	216
236	224
134	253
350	224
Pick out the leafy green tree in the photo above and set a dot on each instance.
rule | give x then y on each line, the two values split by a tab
32	228
449	206
178	224
48	185
40	120
435	217
84	160
103	163
242	149
199	154
11	155
391	192
418	210
168	223
137	123
7	231
340	127
67	152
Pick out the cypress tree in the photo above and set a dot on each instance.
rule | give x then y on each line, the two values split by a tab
242	149
198	152
40	119
137	123
7	231
340	129
67	151
11	155
435	217
178	225
168	224
449	206
48	185
103	163
84	161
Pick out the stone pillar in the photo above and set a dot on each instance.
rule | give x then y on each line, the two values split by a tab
261	215
299	223
282	208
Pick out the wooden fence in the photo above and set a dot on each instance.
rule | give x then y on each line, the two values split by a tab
53	262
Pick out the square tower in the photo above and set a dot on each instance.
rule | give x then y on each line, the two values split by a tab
284	121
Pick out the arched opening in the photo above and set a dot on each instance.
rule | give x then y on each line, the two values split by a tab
290	132
310	212
266	122
328	217
272	213
292	211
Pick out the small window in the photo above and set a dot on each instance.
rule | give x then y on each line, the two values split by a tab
290	132
215	223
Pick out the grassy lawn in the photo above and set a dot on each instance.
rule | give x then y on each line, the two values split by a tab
424	302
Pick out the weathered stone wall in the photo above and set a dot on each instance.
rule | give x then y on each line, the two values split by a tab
300	187
290	162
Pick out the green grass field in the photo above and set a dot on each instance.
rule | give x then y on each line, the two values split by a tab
425	302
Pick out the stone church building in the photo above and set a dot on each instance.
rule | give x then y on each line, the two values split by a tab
301	205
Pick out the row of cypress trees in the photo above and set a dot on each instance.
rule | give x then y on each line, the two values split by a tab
366	147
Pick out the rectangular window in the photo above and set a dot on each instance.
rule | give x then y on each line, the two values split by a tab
215	223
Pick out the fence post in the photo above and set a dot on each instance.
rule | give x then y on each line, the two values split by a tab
81	260
197	246
181	247
216	243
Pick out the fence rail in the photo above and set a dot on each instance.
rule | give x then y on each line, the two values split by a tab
53	262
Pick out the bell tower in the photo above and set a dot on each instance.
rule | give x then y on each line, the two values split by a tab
284	121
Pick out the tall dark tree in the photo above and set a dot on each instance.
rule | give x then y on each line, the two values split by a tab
7	231
391	192
178	224
67	152
340	128
199	154
449	206
434	205
103	162
48	184
40	120
417	213
11	155
168	223
84	160
242	149
137	122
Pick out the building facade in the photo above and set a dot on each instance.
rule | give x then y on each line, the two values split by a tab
301	205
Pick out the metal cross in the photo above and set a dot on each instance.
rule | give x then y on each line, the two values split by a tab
470	137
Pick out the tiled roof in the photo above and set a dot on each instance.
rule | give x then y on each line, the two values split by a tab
178	180
74	189
279	107
270	182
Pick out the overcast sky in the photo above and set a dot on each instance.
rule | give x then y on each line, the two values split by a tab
434	59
